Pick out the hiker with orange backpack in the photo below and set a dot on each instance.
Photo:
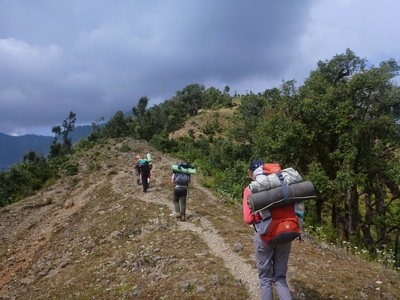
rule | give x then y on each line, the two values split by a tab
271	256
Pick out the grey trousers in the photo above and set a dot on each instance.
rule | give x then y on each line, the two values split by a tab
272	262
180	201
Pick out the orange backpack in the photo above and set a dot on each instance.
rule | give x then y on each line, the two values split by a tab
284	226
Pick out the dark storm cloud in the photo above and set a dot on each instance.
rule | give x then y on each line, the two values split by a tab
97	57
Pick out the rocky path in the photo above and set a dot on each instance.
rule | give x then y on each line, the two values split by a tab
161	177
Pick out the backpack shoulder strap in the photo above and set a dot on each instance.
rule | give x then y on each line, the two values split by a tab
284	187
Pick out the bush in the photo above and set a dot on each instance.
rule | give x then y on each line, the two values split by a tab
85	144
71	169
125	148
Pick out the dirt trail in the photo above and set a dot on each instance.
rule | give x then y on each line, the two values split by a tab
162	176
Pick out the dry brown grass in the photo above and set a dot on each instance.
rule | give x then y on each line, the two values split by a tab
198	124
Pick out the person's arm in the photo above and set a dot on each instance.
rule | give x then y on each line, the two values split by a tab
172	180
247	214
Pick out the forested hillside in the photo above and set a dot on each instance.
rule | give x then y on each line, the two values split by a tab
340	130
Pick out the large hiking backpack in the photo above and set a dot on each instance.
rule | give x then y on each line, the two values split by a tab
181	179
280	224
144	166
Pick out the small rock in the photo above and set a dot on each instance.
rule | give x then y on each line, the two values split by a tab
238	247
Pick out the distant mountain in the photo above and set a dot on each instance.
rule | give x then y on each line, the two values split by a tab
12	148
81	132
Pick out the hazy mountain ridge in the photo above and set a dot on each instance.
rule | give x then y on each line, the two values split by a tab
12	148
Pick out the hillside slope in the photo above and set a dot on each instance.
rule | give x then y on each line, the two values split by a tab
206	122
97	236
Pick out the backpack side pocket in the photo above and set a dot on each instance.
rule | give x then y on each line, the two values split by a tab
262	226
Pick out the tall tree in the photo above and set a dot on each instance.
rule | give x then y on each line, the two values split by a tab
140	110
192	97
142	121
116	127
67	127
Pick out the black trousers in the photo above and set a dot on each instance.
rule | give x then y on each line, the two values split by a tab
144	181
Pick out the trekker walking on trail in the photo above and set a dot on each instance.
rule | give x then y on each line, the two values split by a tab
272	260
144	167
180	183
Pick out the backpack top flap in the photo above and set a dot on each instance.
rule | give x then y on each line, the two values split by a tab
272	168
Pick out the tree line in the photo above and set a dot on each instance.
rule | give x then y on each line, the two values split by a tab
340	130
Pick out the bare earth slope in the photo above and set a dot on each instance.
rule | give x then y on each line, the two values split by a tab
97	236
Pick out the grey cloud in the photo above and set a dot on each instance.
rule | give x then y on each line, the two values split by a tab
97	57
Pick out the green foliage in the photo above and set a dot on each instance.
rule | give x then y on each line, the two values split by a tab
162	143
68	125
125	148
232	180
25	178
192	98
86	144
116	127
214	99
326	233
208	128
71	169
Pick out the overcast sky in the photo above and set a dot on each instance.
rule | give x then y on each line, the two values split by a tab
95	57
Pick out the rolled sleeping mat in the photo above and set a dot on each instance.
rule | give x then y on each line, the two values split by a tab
297	192
189	171
149	158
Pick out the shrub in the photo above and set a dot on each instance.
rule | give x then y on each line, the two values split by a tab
71	169
125	148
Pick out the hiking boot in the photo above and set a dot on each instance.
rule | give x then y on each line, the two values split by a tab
178	215
183	218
